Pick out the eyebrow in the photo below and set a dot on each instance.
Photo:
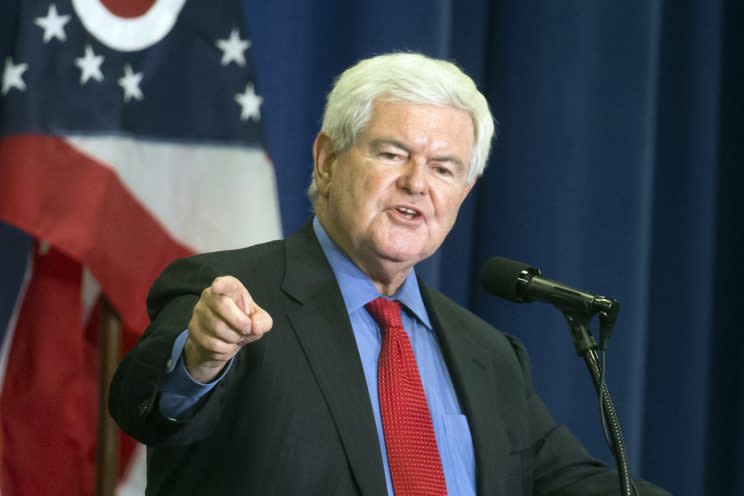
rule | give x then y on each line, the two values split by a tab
380	142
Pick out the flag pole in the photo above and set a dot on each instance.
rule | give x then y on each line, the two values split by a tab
107	440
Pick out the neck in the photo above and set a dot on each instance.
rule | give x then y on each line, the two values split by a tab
386	275
386	286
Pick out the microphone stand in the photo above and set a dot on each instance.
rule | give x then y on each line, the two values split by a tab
586	347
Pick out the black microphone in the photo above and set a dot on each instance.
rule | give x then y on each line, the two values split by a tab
522	283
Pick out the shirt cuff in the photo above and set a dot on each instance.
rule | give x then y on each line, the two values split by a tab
179	392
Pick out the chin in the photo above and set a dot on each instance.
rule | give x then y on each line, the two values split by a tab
404	255
401	249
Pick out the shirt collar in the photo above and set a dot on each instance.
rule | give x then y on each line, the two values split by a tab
357	289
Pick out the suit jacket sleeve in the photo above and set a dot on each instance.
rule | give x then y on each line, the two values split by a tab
134	392
562	464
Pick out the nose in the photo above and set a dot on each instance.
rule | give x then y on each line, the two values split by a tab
413	178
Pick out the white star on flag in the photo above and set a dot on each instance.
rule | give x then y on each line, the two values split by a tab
53	24
90	65
250	103
233	48
13	76
130	83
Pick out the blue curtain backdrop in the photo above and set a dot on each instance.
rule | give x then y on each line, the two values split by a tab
615	170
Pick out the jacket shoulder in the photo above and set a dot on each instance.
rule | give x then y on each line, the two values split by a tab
509	348
254	265
471	323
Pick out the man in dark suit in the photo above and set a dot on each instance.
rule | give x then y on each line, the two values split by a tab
340	372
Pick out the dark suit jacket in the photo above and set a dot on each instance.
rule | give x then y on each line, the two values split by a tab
293	416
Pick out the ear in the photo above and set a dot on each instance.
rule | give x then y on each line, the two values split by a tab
467	188
324	157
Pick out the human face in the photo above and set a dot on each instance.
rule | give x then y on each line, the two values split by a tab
390	199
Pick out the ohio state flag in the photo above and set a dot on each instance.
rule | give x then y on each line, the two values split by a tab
130	135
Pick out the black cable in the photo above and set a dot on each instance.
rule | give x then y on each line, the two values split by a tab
606	324
602	413
602	388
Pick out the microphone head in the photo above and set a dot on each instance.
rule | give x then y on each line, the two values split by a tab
500	276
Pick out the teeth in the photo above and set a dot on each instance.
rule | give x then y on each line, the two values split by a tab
407	211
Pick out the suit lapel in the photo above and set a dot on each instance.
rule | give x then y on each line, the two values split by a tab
472	373
324	331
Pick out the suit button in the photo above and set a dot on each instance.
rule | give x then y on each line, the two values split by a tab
144	407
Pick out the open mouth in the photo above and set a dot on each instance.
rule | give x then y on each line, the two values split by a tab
408	213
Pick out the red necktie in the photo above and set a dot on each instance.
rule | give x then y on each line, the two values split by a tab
412	450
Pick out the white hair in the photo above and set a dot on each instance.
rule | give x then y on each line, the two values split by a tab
404	78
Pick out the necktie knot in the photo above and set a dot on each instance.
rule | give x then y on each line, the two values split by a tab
385	312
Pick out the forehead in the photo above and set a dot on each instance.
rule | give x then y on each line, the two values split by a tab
422	124
392	113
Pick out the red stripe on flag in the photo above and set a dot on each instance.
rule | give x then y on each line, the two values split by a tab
66	198
48	402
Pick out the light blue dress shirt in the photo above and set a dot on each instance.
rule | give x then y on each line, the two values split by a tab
179	392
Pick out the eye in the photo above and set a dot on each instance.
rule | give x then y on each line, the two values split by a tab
391	156
443	171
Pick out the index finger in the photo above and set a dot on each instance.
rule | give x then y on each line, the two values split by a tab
232	288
